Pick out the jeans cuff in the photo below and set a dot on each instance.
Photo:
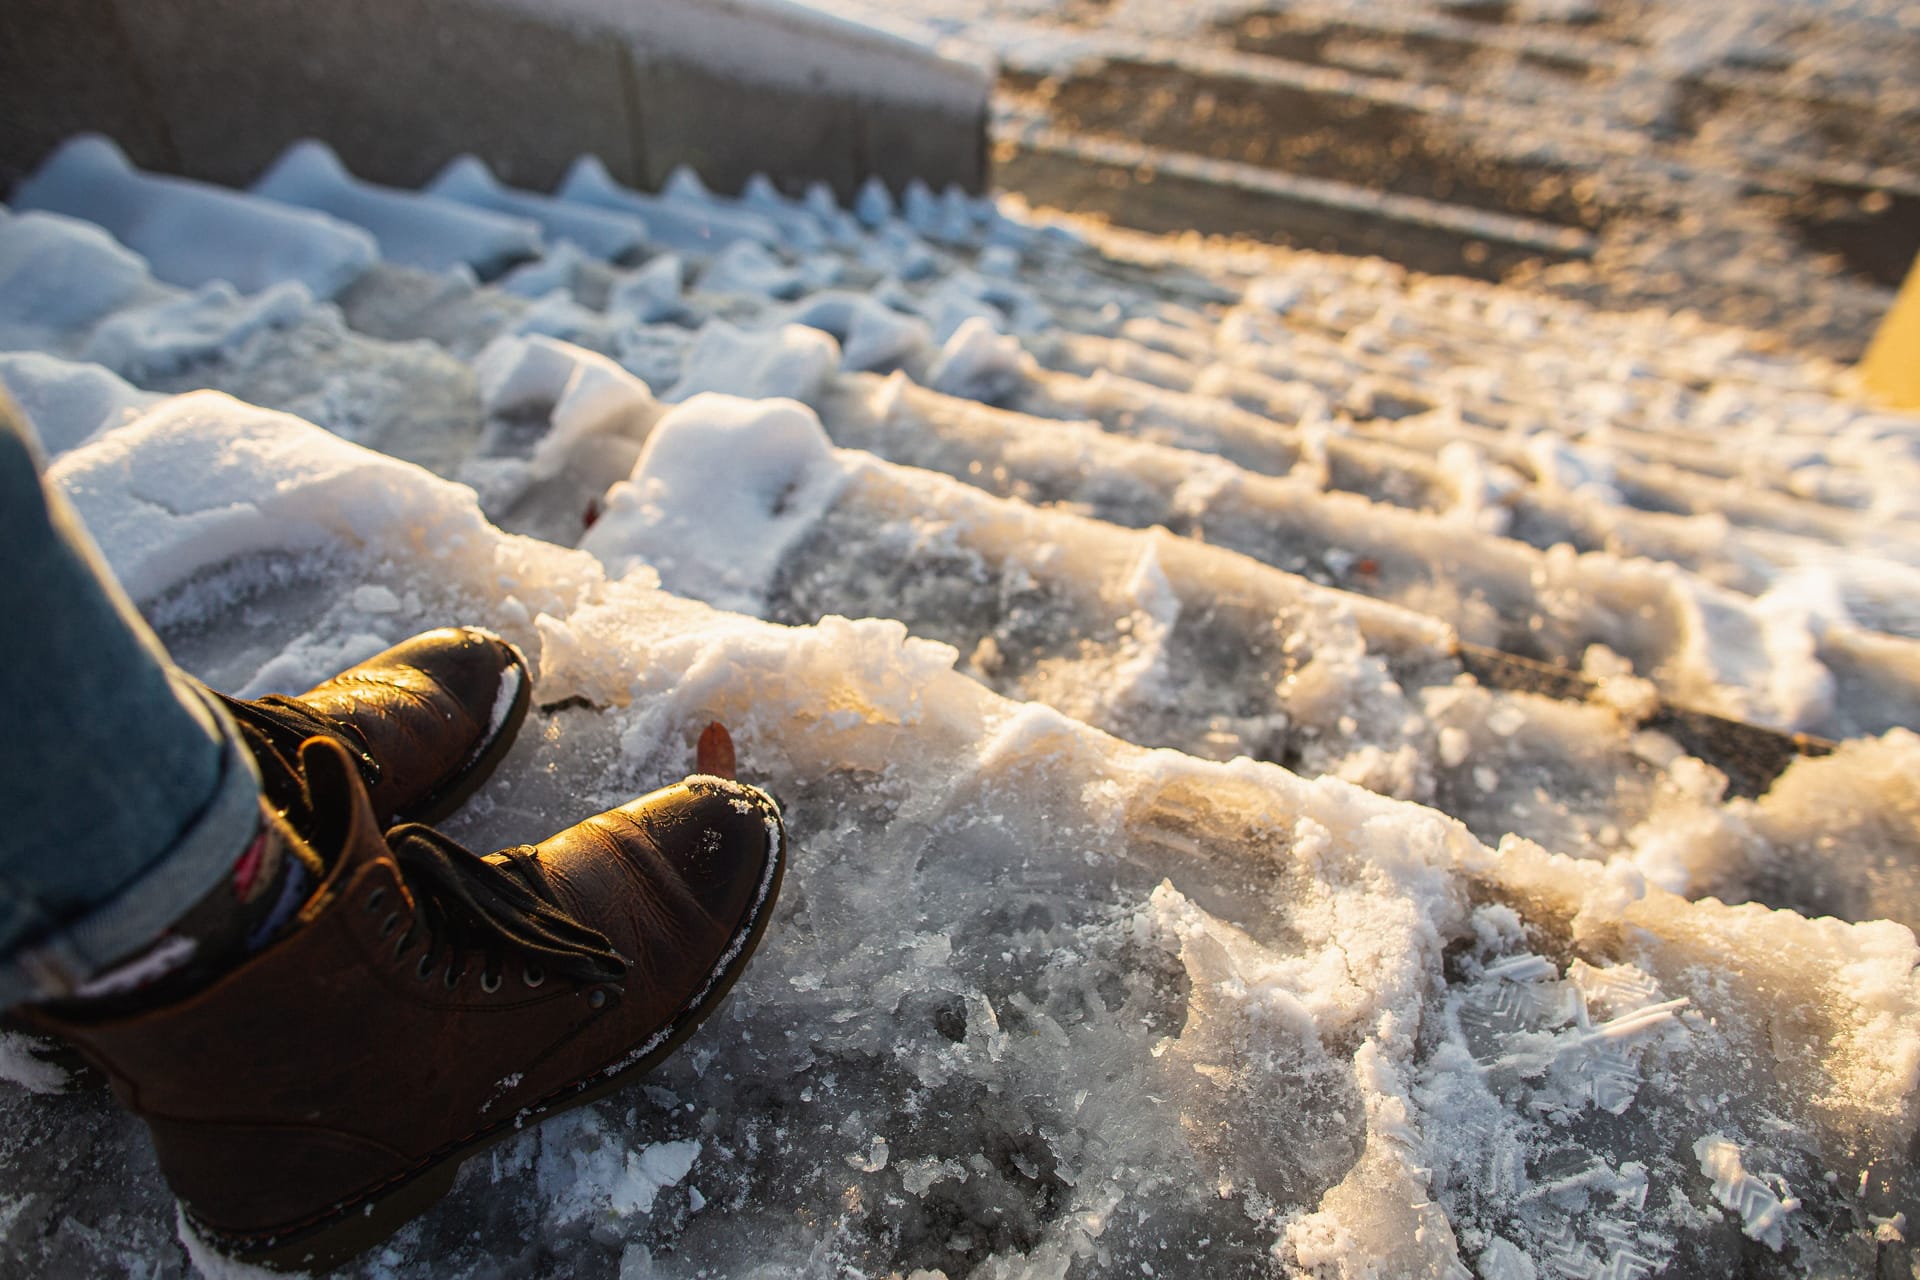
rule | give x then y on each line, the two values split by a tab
53	965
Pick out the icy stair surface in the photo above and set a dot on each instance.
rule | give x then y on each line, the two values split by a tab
1184	881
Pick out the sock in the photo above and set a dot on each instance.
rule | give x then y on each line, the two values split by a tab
270	881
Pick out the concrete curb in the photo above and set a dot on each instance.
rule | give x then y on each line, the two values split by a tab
216	90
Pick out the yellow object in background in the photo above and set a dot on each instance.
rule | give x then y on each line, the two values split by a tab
1891	369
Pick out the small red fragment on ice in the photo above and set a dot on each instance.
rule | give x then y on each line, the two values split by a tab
714	754
593	514
1368	566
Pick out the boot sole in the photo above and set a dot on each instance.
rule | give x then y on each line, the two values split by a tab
356	1226
473	775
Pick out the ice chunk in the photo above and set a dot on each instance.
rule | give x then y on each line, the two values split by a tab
978	363
676	224
601	233
748	267
193	233
590	1173
874	203
793	362
22	1064
583	393
413	228
651	293
149	342
536	278
872	335
59	277
1761	1211
764	471
800	228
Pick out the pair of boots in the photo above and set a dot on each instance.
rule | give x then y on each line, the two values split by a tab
423	1001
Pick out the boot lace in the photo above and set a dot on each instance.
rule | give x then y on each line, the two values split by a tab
503	902
281	724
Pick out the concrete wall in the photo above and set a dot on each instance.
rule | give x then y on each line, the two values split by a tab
216	88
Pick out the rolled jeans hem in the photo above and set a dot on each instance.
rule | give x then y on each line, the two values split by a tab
54	965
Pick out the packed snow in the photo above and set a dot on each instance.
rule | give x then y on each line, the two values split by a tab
1168	895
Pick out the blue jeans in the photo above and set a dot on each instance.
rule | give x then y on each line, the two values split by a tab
125	792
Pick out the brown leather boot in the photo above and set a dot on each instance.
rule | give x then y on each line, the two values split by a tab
426	721
428	1001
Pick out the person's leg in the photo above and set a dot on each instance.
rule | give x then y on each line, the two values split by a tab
126	792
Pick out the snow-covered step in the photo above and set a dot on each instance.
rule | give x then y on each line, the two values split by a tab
1703	645
1195	421
1732	491
1704	197
1482	355
414	229
1679	540
861	538
1540	489
1295	377
194	233
489	230
1156	639
1592	401
1327	1023
1554	509
1436	40
1785	484
1543	509
1431	233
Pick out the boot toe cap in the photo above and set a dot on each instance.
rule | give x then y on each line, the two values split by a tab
475	667
720	838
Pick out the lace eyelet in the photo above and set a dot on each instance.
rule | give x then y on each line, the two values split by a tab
388	925
597	998
533	975
375	898
453	979
424	969
489	982
400	944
